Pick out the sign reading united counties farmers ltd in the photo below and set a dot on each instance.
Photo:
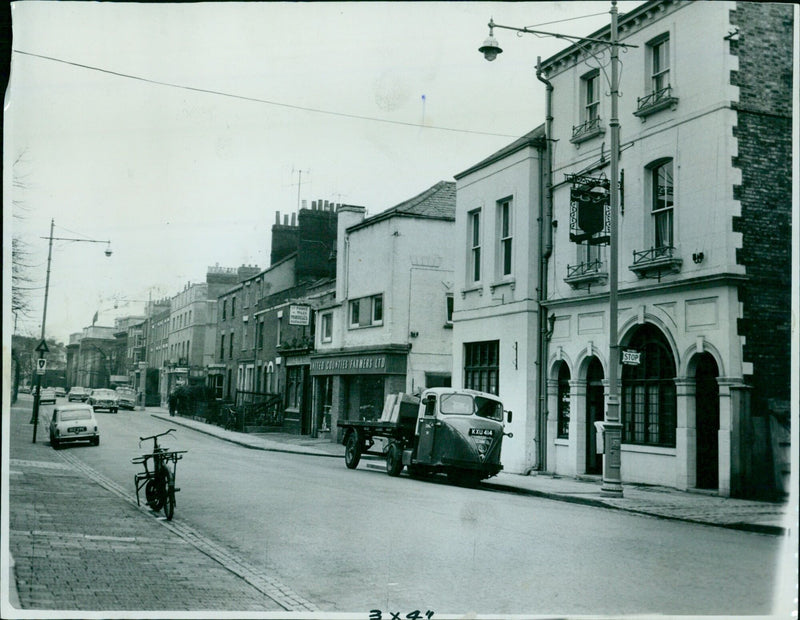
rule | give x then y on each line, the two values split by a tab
347	365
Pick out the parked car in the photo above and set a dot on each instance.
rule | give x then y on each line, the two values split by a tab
24	389
78	393
47	395
60	392
127	398
103	399
70	423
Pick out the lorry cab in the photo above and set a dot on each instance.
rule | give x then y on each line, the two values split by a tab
458	431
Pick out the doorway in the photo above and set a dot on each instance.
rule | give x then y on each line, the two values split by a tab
595	412
707	422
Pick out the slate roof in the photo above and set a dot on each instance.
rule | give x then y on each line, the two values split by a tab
533	138
436	202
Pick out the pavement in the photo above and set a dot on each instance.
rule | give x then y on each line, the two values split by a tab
775	518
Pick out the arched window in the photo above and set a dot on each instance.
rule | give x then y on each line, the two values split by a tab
648	391
563	401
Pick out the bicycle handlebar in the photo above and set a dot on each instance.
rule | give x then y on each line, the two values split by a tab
172	430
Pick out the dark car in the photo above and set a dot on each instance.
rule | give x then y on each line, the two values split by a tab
78	393
103	399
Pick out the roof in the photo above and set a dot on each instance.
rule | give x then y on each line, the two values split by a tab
533	138
437	202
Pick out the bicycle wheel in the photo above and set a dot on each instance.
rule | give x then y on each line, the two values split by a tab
153	494
169	499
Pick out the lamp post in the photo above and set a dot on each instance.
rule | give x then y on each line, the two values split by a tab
612	428
42	348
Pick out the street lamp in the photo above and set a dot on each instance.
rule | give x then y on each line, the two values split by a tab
42	348
612	428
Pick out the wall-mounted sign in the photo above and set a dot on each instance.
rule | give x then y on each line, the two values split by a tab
631	357
299	315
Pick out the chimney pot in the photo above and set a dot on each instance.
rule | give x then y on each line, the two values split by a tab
285	220
293	216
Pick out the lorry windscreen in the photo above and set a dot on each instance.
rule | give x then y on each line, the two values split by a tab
464	404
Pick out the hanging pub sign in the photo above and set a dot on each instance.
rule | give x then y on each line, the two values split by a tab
590	215
631	357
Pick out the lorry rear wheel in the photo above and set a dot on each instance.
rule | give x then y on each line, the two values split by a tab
352	450
394	460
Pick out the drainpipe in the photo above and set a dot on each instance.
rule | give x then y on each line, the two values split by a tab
546	250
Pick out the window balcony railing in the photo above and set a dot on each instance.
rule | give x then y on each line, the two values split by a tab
655	262
587	130
586	274
656	101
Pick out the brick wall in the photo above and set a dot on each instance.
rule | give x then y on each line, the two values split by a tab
763	130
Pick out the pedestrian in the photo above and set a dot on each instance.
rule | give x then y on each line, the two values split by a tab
173	403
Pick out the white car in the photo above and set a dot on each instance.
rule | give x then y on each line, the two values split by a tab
47	395
71	423
103	398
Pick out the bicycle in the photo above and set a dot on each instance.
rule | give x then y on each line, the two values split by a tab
158	483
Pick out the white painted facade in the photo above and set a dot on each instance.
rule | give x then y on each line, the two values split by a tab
402	264
502	307
693	301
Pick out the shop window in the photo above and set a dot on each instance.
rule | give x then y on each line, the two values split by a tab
563	401
649	400
482	366
294	386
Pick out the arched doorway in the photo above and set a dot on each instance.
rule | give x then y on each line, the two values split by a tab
595	412
707	422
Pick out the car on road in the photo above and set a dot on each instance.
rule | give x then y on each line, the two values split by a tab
60	392
78	393
127	398
103	398
47	395
71	423
24	389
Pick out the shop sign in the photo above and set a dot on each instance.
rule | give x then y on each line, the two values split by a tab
349	365
631	357
299	315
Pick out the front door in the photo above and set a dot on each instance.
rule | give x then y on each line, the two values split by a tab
707	419
595	412
427	431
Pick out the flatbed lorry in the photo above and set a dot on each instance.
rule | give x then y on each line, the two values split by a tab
458	432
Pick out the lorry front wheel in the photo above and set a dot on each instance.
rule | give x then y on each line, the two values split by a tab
352	450
394	460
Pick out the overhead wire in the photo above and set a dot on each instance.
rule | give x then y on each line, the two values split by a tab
280	104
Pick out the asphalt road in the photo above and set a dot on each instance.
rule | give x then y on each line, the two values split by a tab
361	540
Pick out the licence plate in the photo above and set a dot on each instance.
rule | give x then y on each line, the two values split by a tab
76	429
482	432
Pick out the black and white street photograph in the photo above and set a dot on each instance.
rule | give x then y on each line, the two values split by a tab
400	310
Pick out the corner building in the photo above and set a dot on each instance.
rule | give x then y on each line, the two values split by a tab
704	249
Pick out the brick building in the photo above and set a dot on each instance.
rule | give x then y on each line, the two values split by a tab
262	346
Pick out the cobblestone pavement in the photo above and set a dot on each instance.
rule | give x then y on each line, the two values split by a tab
79	543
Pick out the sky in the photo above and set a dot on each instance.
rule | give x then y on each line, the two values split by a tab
177	131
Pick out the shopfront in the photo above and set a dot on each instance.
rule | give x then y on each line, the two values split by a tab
353	385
